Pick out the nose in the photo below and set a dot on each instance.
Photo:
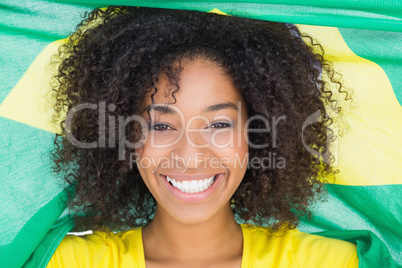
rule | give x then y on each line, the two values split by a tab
193	150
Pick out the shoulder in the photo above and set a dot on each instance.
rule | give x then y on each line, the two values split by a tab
99	249
292	248
79	251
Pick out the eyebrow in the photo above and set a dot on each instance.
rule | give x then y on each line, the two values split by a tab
165	109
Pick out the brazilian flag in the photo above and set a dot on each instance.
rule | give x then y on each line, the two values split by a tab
363	39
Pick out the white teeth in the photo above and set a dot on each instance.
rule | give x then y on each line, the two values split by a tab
186	185
193	186
205	182
200	185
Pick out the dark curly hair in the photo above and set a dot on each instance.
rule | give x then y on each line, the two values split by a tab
117	54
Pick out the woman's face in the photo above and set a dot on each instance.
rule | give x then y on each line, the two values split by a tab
196	152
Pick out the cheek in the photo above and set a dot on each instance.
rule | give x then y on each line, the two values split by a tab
234	158
227	137
222	138
152	157
146	159
163	139
241	152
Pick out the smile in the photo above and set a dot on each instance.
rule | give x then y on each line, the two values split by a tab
193	186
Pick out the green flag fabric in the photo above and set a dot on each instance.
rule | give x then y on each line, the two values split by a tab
363	39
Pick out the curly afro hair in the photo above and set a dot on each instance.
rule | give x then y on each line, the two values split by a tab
117	54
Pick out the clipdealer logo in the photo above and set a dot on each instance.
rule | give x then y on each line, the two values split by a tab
121	123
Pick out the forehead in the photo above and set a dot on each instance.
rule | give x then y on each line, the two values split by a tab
201	83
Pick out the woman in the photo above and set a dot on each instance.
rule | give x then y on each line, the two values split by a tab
184	124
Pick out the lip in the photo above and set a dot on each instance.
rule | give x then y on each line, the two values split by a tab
193	197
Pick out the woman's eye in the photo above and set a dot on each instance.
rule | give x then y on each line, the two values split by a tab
221	125
160	127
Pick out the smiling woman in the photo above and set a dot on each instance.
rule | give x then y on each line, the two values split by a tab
202	84
198	97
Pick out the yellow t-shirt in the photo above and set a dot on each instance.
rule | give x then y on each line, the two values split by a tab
260	249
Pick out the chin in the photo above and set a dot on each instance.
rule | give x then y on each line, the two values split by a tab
191	216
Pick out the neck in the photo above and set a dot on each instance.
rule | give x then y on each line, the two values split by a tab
218	238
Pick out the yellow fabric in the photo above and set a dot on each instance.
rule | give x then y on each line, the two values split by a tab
260	249
367	153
